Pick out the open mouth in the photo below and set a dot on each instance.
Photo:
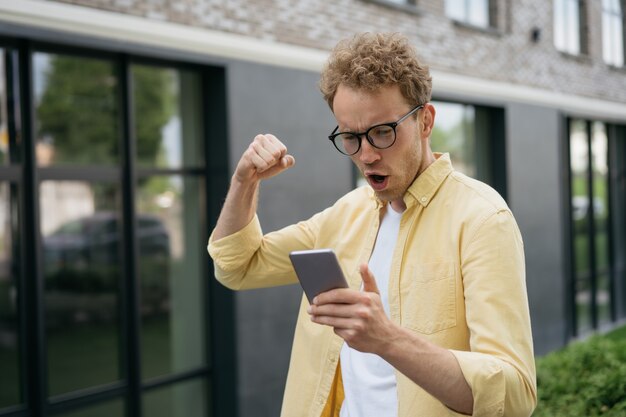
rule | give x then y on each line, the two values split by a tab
378	179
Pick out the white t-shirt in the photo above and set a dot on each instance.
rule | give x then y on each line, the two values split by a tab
369	382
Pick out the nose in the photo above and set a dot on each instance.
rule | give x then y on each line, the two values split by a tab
368	154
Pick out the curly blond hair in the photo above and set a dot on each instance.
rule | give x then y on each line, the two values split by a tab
369	61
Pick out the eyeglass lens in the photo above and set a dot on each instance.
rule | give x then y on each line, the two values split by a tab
380	137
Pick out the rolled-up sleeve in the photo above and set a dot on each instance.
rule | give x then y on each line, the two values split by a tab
248	259
500	366
233	251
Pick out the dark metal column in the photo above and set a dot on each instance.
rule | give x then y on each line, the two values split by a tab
131	288
32	285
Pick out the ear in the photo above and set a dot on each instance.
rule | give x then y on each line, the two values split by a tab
428	120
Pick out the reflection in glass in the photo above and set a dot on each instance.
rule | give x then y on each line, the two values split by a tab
167	117
612	32
579	161
579	165
81	267
113	408
583	305
181	400
170	260
478	12
4	124
76	110
567	26
454	133
599	145
474	12
455	9
10	377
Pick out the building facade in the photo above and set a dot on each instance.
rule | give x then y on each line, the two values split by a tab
121	122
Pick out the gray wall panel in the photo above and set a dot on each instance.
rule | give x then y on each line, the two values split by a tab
533	156
287	103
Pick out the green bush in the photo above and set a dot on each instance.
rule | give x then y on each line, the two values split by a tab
584	379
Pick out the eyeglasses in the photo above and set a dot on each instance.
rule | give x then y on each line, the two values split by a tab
380	136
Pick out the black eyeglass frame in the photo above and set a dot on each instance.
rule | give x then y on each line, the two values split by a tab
392	125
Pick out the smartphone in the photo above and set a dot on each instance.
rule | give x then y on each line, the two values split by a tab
318	270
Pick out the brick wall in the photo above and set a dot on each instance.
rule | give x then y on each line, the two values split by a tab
506	53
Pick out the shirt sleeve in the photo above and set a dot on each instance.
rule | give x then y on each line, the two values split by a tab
500	366
248	259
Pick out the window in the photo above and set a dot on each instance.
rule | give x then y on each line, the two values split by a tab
613	32
11	274
597	227
113	207
569	26
617	164
472	12
402	5
473	135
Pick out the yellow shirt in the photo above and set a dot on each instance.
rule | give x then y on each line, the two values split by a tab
457	279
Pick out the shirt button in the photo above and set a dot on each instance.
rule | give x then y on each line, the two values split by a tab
423	199
320	400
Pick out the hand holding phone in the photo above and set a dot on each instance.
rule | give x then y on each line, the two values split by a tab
318	271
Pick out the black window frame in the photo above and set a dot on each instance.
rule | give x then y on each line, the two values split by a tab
219	372
616	160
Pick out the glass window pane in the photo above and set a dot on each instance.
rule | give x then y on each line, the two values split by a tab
599	149
10	377
479	12
454	133
181	400
4	124
81	267
618	207
76	110
579	165
455	9
616	40
603	299
572	25
170	268
113	408
559	24
612	34
607	41
567	26
583	306
167	117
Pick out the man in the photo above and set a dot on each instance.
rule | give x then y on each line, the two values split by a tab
436	321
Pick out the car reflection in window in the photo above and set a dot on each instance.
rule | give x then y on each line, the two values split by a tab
85	257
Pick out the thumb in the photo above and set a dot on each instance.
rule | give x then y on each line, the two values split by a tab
287	161
369	282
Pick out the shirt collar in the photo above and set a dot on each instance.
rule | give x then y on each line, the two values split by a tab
428	182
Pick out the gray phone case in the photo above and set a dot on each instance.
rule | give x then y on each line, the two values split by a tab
318	270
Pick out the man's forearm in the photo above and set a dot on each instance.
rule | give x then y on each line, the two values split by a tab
433	368
239	208
265	157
